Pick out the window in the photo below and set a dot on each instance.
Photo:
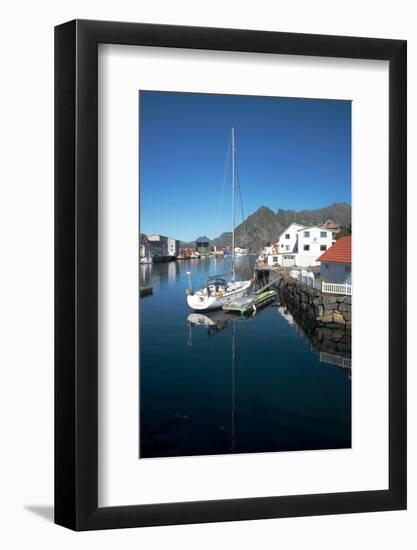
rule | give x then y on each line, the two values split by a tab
306	247
323	235
287	235
274	258
323	247
287	247
307	234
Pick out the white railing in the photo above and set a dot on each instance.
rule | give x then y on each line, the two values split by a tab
343	362
334	288
328	288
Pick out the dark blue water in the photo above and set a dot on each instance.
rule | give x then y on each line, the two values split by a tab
236	386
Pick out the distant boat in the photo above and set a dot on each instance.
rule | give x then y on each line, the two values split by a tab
146	260
218	291
241	251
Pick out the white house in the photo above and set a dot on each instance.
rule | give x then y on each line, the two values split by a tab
312	242
336	263
300	246
173	247
289	238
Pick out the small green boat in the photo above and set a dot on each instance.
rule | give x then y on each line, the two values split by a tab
251	303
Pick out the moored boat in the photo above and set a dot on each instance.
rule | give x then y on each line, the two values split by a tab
218	291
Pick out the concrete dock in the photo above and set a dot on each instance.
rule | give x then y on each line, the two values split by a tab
251	303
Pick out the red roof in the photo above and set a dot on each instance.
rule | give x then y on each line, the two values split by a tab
340	252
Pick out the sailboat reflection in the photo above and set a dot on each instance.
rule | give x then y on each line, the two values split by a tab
216	322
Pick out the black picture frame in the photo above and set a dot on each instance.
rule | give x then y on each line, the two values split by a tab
76	272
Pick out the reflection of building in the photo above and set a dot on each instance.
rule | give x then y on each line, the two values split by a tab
336	263
171	271
300	246
283	311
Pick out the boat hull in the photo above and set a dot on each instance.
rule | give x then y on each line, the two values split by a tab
163	259
201	302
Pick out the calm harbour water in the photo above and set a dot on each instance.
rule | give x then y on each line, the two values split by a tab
235	386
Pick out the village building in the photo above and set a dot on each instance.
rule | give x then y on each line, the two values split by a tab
173	247
163	246
188	252
331	226
218	250
288	240
336	262
144	246
300	246
272	248
203	246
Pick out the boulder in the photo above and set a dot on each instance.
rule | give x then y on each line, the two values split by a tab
326	333
341	346
329	300
338	318
319	310
328	345
338	334
326	318
311	314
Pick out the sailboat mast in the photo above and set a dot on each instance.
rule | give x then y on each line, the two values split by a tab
233	204
233	385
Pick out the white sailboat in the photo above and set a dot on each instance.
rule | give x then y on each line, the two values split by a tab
218	291
241	252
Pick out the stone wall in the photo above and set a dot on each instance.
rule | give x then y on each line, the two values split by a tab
325	318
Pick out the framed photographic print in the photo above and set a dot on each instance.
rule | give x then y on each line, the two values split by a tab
230	275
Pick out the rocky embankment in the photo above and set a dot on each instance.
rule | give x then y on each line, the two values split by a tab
325	318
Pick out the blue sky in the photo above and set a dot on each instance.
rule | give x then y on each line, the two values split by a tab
292	154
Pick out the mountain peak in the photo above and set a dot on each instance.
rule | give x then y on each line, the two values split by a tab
204	238
265	226
264	209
